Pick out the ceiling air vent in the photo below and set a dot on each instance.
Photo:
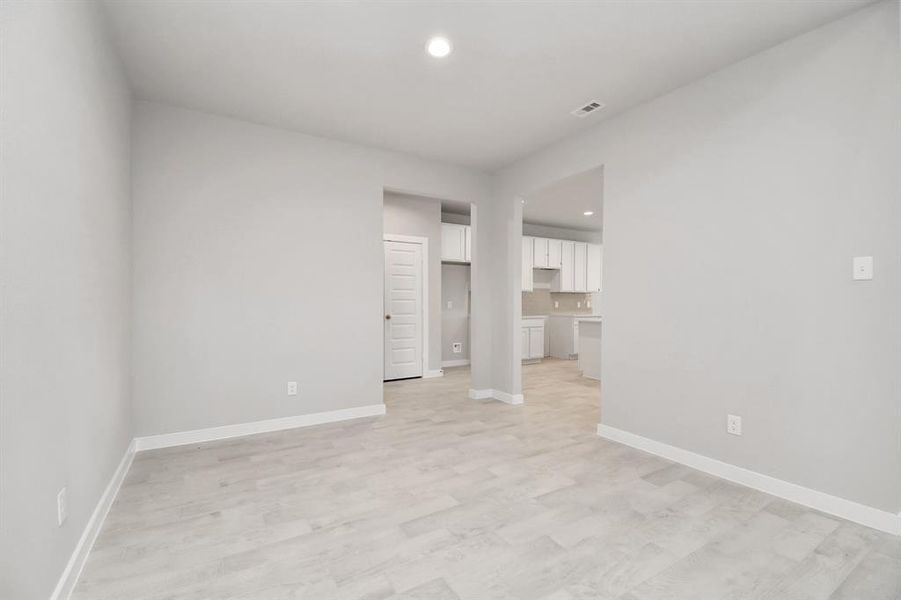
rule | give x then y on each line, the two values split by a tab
589	108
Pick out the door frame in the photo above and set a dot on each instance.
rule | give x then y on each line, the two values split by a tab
424	242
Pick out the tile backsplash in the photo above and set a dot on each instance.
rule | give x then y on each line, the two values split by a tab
541	302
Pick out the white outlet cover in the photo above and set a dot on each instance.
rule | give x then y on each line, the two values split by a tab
62	507
733	424
458	347
556	304
292	388
862	268
578	305
450	304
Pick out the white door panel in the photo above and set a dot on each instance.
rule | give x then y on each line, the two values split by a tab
403	310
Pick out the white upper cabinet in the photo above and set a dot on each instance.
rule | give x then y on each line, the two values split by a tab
539	258
564	281
595	254
455	242
546	253
527	265
554	254
580	266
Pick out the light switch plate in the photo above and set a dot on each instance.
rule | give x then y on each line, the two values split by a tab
450	304
863	268
292	388
458	347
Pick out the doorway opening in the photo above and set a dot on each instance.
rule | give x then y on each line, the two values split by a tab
561	309
428	252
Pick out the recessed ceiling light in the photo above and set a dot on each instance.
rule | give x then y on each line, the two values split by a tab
588	213
439	47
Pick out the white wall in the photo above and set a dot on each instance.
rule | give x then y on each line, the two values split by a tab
733	207
66	272
258	260
421	217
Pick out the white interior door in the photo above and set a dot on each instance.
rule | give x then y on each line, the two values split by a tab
403	310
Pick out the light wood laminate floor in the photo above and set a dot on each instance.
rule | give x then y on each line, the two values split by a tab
447	497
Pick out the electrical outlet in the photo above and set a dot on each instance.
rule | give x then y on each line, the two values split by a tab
556	304
292	388
588	304
578	305
450	304
458	347
733	425
62	507
862	268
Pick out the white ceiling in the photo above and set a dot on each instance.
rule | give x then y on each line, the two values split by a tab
357	71
562	203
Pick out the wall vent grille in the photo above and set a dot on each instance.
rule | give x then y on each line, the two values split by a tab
589	108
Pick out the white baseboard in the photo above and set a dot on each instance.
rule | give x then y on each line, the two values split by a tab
495	394
165	440
71	573
429	373
508	398
821	501
455	363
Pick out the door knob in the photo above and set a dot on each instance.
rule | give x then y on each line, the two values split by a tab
387	317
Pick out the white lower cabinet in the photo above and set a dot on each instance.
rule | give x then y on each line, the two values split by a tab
532	339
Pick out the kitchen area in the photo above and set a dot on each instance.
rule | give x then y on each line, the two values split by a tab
562	265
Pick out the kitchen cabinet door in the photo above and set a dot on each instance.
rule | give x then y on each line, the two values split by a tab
539	255
554	254
527	249
563	282
536	342
453	242
580	267
595	254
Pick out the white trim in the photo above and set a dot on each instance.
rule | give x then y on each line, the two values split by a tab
180	438
496	395
433	373
508	398
455	363
424	242
72	572
821	501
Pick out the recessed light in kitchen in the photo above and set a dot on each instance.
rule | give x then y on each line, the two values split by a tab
588	213
439	47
